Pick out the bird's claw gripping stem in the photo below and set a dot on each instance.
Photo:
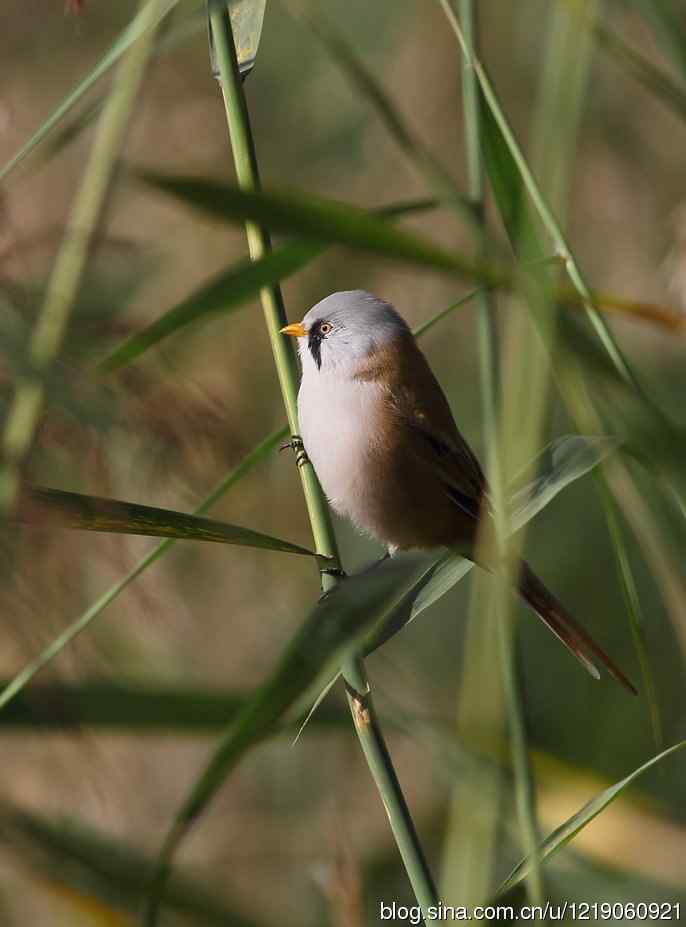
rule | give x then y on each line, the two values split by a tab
330	571
333	571
296	445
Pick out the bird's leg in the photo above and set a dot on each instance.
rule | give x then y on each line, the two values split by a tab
296	445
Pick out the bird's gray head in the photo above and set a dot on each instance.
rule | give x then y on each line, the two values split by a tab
344	329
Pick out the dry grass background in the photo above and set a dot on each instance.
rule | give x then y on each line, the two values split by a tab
289	837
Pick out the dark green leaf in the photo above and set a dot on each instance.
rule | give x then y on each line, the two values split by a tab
135	709
24	676
317	219
231	288
508	189
47	508
225	293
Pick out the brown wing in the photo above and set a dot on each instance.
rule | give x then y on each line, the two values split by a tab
419	404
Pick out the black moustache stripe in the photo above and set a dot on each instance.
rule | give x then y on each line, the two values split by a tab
314	343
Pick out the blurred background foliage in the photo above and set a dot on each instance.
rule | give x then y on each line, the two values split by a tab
87	801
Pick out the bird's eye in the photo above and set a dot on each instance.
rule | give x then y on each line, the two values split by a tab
325	328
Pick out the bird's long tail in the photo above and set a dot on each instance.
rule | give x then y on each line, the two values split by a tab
573	636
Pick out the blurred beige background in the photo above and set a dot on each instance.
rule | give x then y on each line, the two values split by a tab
298	834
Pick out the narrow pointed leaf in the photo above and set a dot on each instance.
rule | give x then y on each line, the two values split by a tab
561	463
508	188
134	708
564	460
26	674
335	628
225	293
567	831
317	219
46	508
232	288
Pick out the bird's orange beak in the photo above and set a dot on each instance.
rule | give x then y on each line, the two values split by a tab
296	330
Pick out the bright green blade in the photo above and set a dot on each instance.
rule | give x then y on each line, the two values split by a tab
318	219
46	508
335	628
138	26
508	189
111	870
232	288
567	831
133	708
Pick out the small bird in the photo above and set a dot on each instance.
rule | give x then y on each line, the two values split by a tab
379	432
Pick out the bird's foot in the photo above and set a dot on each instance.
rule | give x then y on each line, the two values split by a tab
337	573
296	445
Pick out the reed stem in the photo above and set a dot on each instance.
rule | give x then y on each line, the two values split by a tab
490	389
359	692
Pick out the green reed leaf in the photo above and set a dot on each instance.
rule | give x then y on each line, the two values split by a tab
230	289
334	630
47	508
567	831
315	218
137	709
26	674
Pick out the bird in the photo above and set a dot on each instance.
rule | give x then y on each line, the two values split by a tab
380	434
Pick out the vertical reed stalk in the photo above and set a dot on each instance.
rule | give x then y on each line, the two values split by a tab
490	388
359	694
48	335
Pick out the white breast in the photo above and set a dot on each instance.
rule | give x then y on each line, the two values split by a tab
339	427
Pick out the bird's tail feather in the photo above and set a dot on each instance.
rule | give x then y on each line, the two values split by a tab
573	636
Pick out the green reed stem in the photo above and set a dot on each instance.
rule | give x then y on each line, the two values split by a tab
48	335
490	388
359	694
